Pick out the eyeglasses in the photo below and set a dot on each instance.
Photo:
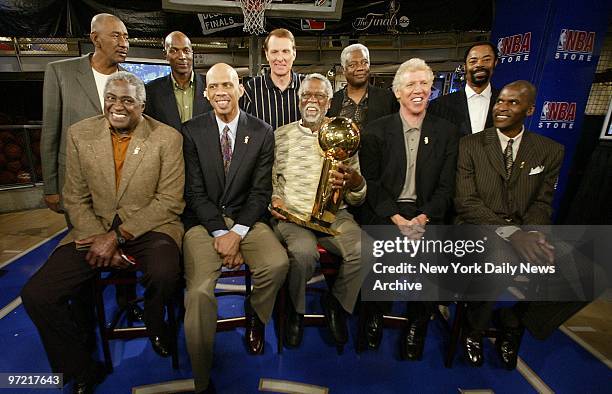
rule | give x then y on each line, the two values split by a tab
127	101
174	51
308	95
353	65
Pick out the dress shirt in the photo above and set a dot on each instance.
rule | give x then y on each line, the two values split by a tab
478	107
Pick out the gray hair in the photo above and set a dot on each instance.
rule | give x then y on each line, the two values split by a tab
328	87
412	65
141	94
352	48
98	19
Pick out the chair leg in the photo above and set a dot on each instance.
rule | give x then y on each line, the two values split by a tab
281	316
455	336
99	297
173	326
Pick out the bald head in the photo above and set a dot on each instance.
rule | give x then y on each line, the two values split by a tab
179	55
176	36
223	90
110	39
101	20
526	88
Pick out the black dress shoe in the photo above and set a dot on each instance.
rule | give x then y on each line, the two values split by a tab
335	317
160	346
507	346
134	313
294	330
413	340
473	347
373	330
255	330
86	382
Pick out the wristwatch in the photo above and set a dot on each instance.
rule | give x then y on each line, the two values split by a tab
120	238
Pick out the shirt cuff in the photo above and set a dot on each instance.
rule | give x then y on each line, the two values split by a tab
218	233
240	230
506	232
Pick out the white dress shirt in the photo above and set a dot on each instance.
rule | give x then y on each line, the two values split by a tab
478	107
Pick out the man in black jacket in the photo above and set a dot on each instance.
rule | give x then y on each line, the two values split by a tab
359	100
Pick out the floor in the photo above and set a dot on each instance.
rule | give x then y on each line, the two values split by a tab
576	359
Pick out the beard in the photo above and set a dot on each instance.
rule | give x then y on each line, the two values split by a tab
480	81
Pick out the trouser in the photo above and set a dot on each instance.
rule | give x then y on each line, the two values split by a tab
303	256
267	261
49	295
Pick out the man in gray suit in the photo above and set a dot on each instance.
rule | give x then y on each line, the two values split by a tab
73	91
493	189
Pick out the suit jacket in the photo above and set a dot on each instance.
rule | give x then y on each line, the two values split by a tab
454	108
381	102
383	164
161	103
246	192
150	194
483	194
69	95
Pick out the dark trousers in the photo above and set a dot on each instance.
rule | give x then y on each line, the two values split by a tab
50	294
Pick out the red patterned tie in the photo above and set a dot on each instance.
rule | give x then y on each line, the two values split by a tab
226	149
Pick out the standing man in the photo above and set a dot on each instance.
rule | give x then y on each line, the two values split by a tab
74	90
176	98
470	108
124	195
295	178
273	97
493	190
360	100
408	160
228	161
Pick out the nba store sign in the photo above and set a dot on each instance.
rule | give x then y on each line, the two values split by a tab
514	48
575	45
557	115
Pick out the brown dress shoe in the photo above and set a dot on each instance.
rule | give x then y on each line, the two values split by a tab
255	330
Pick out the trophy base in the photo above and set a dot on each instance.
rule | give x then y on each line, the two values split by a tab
305	223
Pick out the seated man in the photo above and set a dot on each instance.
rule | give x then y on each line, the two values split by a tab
124	194
493	190
295	177
228	162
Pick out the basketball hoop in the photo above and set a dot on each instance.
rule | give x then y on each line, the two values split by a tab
253	11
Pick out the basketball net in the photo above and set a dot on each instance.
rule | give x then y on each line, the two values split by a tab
253	11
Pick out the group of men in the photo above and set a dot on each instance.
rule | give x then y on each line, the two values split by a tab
138	193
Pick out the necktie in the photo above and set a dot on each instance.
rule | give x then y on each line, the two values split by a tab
508	158
226	149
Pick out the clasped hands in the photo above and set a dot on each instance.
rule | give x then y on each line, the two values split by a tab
413	228
228	247
533	247
104	251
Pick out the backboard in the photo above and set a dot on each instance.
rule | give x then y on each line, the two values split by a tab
293	9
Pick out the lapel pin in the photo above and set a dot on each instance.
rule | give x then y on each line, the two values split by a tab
426	139
522	164
136	150
246	139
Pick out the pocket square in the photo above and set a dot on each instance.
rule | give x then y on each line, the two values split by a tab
536	170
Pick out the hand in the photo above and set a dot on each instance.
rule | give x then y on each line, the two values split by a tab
233	262
227	244
409	228
102	249
278	203
421	219
346	177
52	201
118	262
533	247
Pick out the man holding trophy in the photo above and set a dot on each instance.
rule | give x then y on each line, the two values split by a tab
304	179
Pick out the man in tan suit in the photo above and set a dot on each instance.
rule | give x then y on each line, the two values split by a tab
124	195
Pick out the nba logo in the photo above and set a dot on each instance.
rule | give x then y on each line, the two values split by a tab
562	40
545	109
500	46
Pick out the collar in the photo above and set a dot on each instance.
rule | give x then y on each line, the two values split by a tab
306	130
469	92
270	83
233	125
406	126
504	138
176	85
363	98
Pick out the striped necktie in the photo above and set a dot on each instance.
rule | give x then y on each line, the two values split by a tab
509	161
226	149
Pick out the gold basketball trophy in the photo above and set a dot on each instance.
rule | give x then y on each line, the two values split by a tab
338	141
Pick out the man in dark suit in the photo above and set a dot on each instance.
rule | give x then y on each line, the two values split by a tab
359	100
179	96
493	190
228	162
408	160
470	108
